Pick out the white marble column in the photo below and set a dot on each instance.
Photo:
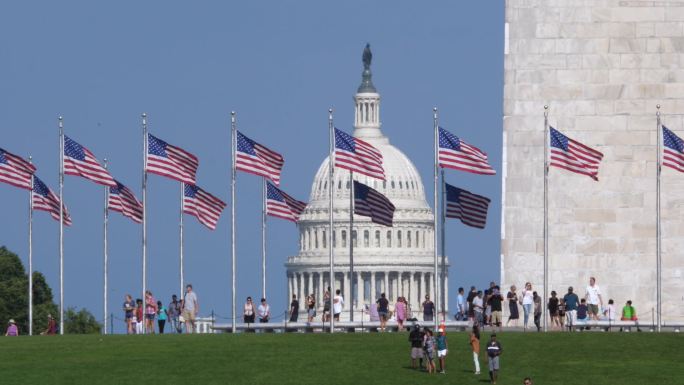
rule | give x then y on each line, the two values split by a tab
414	288
385	284
289	287
395	286
310	285
321	289
361	291
347	291
373	294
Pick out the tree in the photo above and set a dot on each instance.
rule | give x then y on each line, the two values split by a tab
14	294
80	322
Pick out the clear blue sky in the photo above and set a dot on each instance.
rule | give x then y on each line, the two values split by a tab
280	65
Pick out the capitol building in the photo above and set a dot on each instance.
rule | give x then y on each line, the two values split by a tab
398	260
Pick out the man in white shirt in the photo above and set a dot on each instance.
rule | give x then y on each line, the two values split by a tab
190	309
594	299
264	311
478	308
338	304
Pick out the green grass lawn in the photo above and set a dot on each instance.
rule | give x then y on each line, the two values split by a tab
554	358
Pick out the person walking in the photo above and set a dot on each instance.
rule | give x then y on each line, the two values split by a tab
174	311
162	316
311	307
416	340
552	307
442	349
594	299
527	303
150	311
571	301
537	310
429	348
400	312
129	310
264	311
294	309
475	347
190	309
383	311
494	350
248	311
428	309
513	314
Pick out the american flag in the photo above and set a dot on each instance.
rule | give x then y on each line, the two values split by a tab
470	208
79	161
15	170
256	159
44	199
356	155
122	200
370	203
573	156
206	207
281	205
459	155
673	150
170	161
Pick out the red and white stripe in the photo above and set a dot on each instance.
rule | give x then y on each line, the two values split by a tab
126	203
579	158
366	160
206	207
469	159
266	163
16	171
289	210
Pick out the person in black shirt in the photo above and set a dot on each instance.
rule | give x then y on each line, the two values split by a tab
294	309
416	339
383	310
428	309
494	350
469	300
495	300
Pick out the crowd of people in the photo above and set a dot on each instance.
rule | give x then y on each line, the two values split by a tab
180	314
570	312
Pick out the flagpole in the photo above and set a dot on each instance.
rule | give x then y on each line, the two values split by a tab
435	201
233	144
61	226
351	245
331	171
546	208
106	252
658	229
180	235
144	221
30	255
443	241
263	237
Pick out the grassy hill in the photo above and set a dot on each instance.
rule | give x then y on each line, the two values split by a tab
553	358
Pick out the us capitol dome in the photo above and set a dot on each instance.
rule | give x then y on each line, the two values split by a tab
398	260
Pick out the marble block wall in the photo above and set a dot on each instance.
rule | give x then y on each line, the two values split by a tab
602	66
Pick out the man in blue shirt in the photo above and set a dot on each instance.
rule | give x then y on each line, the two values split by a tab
460	305
571	301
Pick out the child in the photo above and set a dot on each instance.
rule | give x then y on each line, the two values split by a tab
139	316
162	315
442	349
429	348
582	313
494	350
475	345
